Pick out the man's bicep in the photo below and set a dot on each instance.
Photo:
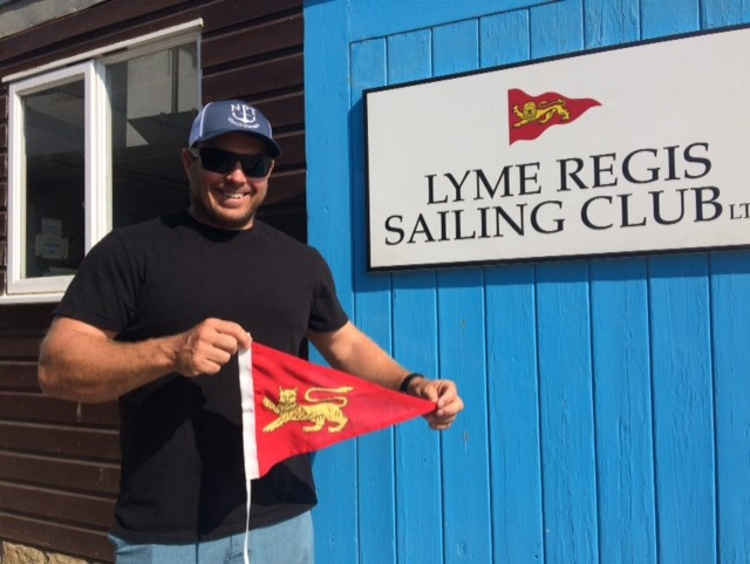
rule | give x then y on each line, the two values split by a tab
66	338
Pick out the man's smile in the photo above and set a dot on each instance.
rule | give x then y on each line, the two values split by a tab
229	194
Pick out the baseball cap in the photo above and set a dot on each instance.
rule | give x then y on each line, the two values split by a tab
227	116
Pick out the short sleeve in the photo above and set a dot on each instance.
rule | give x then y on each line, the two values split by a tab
326	313
104	290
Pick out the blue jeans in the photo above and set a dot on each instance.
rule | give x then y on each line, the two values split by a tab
288	542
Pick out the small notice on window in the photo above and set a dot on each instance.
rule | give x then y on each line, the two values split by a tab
50	225
50	244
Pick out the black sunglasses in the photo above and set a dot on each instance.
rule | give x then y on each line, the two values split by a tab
223	162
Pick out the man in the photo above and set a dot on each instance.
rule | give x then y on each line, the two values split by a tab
153	318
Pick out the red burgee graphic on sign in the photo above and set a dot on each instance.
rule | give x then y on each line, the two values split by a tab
530	116
301	407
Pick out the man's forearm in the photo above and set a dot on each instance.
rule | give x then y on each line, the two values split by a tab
379	367
87	368
352	351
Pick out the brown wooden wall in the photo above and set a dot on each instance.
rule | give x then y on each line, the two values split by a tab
59	461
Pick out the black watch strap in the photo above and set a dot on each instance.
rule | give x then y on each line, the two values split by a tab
407	380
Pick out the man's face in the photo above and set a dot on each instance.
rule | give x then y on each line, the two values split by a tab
226	200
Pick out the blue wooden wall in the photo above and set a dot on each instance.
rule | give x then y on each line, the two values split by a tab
608	400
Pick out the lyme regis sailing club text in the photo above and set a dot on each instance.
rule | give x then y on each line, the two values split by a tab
647	186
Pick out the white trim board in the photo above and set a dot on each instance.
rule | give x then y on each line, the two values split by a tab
129	44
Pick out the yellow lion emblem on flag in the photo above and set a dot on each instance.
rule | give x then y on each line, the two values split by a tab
321	412
542	113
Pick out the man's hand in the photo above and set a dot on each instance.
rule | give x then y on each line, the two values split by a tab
208	346
445	394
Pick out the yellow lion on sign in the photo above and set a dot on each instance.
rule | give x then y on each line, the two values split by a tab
542	113
320	413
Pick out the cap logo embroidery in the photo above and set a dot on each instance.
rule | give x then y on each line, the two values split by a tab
243	116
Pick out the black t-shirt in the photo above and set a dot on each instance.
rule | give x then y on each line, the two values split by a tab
182	474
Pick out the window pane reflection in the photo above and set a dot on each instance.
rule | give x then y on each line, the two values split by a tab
54	137
154	99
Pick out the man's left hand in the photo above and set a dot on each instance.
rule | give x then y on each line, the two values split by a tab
442	392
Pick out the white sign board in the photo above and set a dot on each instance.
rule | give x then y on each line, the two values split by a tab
635	149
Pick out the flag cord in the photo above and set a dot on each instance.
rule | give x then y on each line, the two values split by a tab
249	446
245	553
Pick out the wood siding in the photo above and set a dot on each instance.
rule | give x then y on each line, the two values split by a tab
59	461
607	400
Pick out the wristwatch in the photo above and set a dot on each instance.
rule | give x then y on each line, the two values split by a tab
407	380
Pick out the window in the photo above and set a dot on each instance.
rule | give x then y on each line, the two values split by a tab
153	101
94	145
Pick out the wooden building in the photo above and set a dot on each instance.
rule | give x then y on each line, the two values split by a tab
59	461
608	406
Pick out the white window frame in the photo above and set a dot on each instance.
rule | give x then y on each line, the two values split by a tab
96	221
90	67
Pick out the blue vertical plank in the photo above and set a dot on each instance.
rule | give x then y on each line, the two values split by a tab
327	139
568	449
514	415
556	28
504	38
730	284
621	363
566	398
329	215
419	504
409	56
610	22
683	409
718	13
660	17
681	370
468	535
377	528
511	364
730	293
621	360
419	500
455	47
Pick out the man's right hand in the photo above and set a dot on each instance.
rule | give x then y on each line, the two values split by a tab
208	346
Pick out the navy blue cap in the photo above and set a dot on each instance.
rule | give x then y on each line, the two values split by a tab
227	116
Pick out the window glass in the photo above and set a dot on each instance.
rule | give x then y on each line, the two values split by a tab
53	129
86	155
153	101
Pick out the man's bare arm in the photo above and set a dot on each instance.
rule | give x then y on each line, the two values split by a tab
352	351
80	362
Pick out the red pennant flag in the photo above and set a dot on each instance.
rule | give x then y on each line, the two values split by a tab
530	116
291	406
